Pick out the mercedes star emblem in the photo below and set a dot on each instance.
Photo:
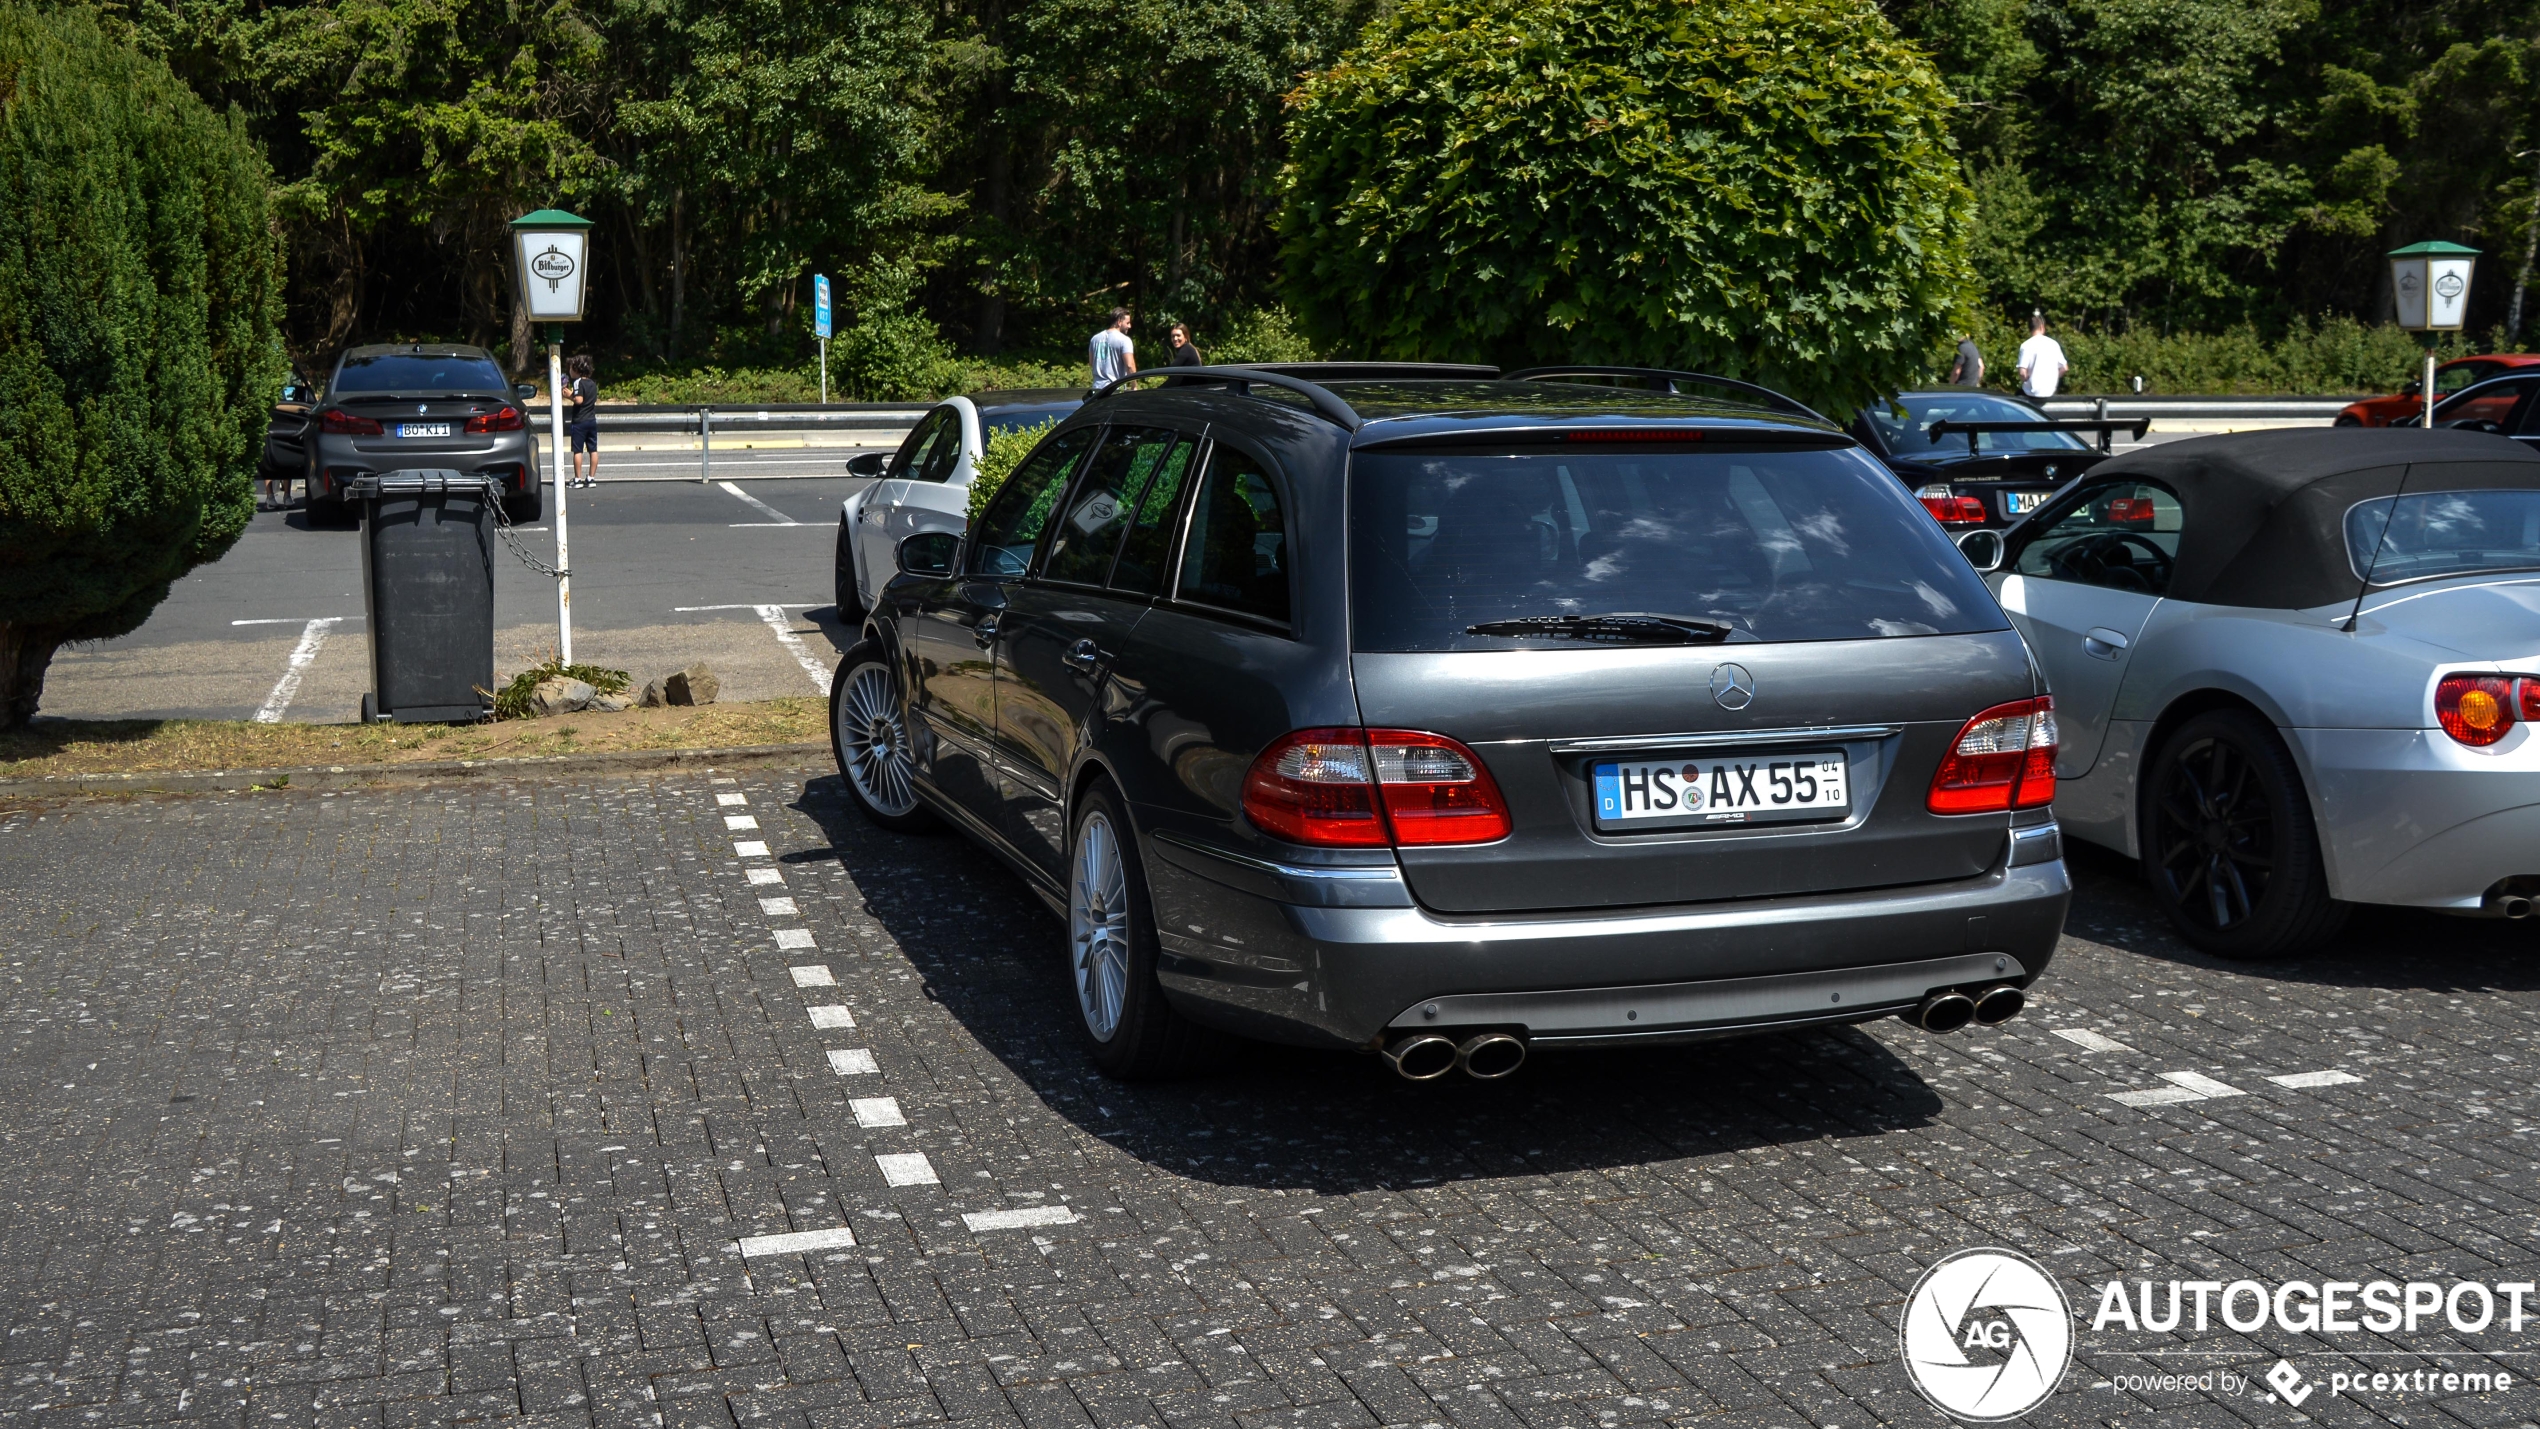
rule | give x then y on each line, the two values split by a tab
1732	686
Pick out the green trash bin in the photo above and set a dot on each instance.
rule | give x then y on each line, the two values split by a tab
428	586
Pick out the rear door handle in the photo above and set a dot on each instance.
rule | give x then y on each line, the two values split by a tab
1085	655
985	631
2104	644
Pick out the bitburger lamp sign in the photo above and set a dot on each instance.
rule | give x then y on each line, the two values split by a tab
1989	1335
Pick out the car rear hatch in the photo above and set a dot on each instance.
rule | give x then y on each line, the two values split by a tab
1827	647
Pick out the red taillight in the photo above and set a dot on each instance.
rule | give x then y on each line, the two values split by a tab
2531	696
2002	759
2131	510
1367	788
338	422
2478	710
1955	510
506	420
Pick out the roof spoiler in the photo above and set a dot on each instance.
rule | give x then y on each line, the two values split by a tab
1240	381
2106	427
1668	378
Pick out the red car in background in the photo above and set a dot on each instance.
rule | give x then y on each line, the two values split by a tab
2449	378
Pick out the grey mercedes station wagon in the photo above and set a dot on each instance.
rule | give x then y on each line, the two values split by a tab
1447	716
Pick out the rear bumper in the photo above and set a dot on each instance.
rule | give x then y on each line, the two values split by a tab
1338	956
2409	817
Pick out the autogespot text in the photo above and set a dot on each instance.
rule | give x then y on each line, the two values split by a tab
2303	1307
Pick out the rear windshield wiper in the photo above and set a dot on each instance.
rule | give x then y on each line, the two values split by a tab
1621	628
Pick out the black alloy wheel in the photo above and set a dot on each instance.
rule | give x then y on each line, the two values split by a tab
2229	844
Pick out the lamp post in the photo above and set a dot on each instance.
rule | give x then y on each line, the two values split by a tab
2431	281
551	250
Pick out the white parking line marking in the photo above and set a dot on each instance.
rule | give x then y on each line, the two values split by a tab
719	779
2090	1041
813	975
778	908
739	821
794	1242
781	518
2156	1096
774	615
766	875
876	1111
312	636
2300	1080
749	848
728	800
907	1168
794	938
2202	1085
1019	1218
289	620
761	605
830	1015
854	1062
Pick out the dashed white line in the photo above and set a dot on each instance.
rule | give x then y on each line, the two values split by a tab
2156	1096
853	1062
312	636
727	800
877	1111
1019	1218
831	1015
812	975
774	615
778	908
781	519
2090	1041
795	1242
2202	1085
794	938
2300	1080
766	875
907	1168
737	822
746	605
750	848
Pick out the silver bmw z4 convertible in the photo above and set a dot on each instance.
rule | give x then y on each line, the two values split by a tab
2295	671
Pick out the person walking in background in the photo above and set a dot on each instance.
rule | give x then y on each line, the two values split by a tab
1111	353
2042	365
1968	370
582	419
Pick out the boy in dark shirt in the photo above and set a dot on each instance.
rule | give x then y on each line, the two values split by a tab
582	419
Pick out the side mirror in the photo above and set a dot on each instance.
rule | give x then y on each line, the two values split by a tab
930	553
2412	389
868	463
1983	549
525	392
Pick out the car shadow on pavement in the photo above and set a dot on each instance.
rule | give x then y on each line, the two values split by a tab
2401	949
1272	1117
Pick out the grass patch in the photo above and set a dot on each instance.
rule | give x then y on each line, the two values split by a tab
49	747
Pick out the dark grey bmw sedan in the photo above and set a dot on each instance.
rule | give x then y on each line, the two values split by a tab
1450	717
421	405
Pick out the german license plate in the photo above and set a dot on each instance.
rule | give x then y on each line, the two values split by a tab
2020	503
423	429
1701	791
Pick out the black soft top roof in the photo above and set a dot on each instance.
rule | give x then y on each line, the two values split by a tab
2263	513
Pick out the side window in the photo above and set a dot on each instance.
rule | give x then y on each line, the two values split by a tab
2496	405
944	454
911	457
1100	506
1150	541
2121	536
1237	557
1001	539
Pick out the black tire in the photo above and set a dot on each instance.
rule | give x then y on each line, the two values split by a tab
2347	419
869	734
2228	842
850	603
525	508
1111	954
337	514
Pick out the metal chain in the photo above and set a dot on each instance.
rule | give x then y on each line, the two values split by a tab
511	537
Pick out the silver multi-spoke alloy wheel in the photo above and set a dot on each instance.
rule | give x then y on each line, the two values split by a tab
873	741
1098	926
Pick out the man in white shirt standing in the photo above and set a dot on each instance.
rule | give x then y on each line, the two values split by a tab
2042	365
1111	352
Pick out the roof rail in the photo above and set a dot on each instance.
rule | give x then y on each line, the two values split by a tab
1377	371
1240	380
1670	377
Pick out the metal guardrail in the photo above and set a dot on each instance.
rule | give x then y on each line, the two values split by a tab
2281	408
704	419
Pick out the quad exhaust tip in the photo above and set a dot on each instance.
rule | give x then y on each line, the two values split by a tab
1945	1012
2514	906
1489	1056
1423	1057
1483	1056
1999	1004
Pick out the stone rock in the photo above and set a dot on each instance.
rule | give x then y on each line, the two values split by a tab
652	698
560	696
611	703
695	685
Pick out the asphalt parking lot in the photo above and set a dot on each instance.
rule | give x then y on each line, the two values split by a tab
735	571
697	1101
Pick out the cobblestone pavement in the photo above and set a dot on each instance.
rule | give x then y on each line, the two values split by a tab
698	1101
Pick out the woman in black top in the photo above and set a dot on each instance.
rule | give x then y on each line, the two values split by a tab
1185	353
582	422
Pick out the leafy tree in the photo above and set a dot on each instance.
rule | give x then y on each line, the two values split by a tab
1763	188
139	292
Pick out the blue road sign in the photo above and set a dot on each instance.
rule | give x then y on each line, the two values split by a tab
820	305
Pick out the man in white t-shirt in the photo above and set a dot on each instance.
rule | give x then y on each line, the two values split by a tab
2042	365
1111	353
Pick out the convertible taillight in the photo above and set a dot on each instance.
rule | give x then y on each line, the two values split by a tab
2003	759
1950	509
1368	788
338	422
2478	710
506	420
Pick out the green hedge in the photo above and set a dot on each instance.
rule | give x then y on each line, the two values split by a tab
2335	356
